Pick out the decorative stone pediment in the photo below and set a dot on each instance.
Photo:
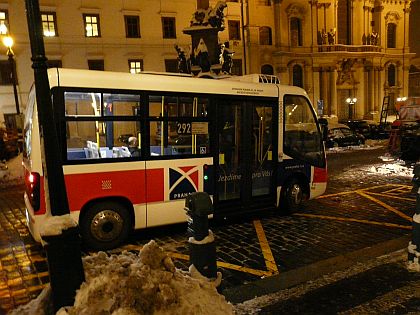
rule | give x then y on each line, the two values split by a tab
295	10
392	17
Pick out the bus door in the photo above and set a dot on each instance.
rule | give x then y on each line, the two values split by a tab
246	134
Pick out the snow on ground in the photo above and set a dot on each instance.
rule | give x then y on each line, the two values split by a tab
129	284
11	172
369	145
394	167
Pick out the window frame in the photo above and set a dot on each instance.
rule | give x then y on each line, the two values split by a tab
140	61
4	29
129	27
86	23
6	73
142	117
234	29
391	35
92	63
49	23
265	36
168	27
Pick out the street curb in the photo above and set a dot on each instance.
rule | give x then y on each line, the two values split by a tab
297	276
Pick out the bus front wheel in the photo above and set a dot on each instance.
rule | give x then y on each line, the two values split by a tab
292	196
105	225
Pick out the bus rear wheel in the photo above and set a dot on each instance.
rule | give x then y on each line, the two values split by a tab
292	196
105	225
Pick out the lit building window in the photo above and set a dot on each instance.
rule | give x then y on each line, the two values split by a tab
4	22
234	30
168	27
92	27
132	26
265	35
49	24
135	65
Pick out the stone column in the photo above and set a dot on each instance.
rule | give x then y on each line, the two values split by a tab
381	80
375	89
333	91
316	84
370	90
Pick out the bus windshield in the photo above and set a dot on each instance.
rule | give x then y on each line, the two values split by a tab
302	136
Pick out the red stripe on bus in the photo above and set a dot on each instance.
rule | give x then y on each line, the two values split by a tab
320	175
82	188
155	185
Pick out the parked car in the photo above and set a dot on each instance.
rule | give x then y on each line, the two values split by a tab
362	127
342	136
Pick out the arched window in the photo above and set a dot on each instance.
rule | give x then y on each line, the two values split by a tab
297	76
391	75
265	35
391	35
295	32
267	69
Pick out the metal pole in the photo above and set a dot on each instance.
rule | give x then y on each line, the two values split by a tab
57	193
13	77
63	250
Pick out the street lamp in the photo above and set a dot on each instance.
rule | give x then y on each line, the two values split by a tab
8	42
351	101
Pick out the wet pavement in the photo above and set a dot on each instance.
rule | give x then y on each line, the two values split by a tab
268	252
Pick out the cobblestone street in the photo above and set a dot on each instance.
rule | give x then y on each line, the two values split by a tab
359	210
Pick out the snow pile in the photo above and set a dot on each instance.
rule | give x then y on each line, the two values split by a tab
11	172
55	225
397	169
147	283
131	284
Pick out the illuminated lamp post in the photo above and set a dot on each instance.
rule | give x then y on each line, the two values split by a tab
8	42
351	101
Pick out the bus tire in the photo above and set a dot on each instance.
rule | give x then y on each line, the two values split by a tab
292	196
105	225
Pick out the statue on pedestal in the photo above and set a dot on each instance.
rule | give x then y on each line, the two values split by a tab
374	37
183	62
331	36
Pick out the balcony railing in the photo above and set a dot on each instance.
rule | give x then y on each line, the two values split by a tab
349	48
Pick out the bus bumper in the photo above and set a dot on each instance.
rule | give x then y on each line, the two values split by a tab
31	220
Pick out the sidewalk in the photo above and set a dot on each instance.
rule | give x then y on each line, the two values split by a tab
356	283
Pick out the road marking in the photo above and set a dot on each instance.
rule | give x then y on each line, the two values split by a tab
391	196
386	206
222	264
336	194
270	263
400	187
406	227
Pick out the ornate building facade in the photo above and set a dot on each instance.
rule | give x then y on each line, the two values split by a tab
337	50
334	49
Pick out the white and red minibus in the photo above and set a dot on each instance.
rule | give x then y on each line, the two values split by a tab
133	146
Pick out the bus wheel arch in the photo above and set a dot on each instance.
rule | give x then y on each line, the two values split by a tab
293	192
106	222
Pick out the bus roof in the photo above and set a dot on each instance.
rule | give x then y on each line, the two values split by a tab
161	82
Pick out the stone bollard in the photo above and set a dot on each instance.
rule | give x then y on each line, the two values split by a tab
414	246
202	246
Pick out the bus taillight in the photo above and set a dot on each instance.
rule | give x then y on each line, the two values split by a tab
33	184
